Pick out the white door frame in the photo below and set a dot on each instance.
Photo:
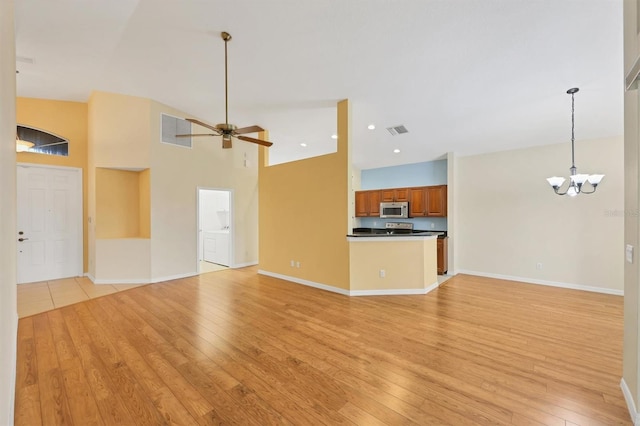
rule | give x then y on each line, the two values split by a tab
232	228
79	205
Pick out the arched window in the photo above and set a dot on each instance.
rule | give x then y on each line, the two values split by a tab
43	142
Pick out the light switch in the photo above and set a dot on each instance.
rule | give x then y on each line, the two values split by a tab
628	253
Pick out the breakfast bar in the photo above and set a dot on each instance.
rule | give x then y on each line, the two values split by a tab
393	263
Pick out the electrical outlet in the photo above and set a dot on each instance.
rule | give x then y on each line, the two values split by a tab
433	225
539	265
383	273
293	263
297	264
628	253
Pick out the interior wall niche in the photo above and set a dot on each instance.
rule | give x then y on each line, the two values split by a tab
123	207
43	141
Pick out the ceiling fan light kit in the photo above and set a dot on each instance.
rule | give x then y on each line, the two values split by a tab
576	181
227	130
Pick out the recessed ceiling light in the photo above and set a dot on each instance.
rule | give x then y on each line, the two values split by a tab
396	151
371	127
334	136
303	144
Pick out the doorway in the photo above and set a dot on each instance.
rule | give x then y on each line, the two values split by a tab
215	230
49	210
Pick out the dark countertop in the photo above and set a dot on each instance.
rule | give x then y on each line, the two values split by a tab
382	232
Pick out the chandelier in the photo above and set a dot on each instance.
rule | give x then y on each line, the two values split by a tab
577	181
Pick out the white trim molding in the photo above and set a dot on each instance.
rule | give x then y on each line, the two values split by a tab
305	282
631	406
142	280
386	292
243	265
544	282
394	292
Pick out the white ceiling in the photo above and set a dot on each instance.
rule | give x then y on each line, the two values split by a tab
465	76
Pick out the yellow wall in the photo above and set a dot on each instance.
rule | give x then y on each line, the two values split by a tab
144	186
407	265
304	213
119	204
69	121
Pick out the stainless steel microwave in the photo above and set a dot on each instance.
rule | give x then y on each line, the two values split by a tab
394	210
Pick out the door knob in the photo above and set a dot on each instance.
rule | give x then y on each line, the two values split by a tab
22	239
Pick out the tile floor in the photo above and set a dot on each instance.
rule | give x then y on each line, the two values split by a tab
34	298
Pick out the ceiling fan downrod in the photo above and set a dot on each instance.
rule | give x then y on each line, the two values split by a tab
226	37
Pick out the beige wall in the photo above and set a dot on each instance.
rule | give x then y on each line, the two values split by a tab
8	309
509	219
631	353
176	173
304	214
125	132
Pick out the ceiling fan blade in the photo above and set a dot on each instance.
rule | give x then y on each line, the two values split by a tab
197	134
254	140
200	123
249	129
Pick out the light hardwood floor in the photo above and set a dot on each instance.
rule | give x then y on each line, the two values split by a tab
233	347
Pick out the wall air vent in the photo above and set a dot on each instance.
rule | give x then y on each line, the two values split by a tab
172	126
397	130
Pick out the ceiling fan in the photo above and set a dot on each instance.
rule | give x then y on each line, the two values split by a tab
227	130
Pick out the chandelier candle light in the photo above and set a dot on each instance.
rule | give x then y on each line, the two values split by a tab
577	181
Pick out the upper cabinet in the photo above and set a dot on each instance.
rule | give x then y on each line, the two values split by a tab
428	201
368	203
424	201
436	200
395	194
417	203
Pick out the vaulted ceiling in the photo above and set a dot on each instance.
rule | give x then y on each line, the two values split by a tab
462	76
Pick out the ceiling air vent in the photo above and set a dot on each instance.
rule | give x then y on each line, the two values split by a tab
397	130
172	126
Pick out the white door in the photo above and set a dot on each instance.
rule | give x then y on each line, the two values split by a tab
49	223
215	230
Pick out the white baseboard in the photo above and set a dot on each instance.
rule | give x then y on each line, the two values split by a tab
391	292
635	417
243	265
543	282
173	277
142	280
305	282
394	292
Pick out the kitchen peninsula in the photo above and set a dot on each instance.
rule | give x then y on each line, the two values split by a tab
391	261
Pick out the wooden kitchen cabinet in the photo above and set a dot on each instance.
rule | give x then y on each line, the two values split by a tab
442	249
428	201
436	201
417	202
394	195
374	203
424	201
368	203
362	204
